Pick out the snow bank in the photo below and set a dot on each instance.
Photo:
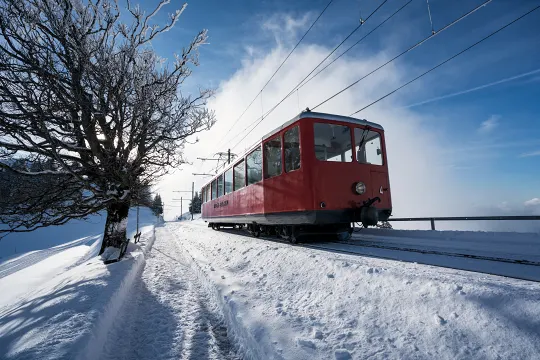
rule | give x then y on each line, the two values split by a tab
299	303
14	245
106	319
67	300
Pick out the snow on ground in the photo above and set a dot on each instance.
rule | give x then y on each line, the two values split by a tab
169	313
301	303
52	300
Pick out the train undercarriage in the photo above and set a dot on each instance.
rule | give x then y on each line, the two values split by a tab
293	233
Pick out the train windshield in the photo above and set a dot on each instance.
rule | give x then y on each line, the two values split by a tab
333	142
368	146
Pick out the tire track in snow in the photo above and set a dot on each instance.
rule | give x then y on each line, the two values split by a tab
168	315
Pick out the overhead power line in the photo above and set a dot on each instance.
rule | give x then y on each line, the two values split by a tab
447	26
356	43
449	59
279	67
304	82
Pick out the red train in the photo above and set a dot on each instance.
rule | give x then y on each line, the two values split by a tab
316	173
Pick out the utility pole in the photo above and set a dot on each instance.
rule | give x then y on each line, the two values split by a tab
182	199
182	203
221	157
192	196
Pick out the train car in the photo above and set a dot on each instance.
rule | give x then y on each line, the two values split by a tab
317	173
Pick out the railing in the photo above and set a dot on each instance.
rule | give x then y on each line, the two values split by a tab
465	218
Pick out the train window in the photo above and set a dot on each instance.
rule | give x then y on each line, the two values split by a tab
220	185
228	181
368	146
272	157
214	190
203	193
292	149
332	142
239	176
254	166
208	191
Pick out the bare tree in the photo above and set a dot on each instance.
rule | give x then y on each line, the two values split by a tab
84	93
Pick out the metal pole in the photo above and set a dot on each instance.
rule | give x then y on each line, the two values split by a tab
228	156
432	224
192	195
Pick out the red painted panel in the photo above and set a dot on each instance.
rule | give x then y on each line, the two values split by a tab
304	189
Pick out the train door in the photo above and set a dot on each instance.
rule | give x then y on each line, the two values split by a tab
369	151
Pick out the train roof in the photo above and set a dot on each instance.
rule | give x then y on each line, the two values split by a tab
325	116
302	115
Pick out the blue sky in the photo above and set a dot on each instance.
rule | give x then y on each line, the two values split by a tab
494	130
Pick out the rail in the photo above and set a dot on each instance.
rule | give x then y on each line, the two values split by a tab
466	218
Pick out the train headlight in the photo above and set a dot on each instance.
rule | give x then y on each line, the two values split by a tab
360	188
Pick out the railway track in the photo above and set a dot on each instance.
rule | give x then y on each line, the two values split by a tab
521	269
443	253
515	269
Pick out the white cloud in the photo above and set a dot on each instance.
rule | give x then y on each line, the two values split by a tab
489	125
285	27
533	153
532	202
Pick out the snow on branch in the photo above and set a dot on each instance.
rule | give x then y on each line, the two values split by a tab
89	114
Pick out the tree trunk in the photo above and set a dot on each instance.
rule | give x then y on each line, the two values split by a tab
115	227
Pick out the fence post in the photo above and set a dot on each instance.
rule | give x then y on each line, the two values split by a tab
432	224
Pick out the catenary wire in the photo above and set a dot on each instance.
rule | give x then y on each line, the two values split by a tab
304	82
447	26
279	67
353	45
449	59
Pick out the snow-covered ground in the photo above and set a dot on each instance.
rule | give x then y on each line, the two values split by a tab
193	293
169	314
299	303
52	300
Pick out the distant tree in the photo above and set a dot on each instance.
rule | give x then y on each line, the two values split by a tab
195	205
143	197
87	102
157	206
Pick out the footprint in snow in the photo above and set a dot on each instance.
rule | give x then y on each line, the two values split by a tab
342	354
440	320
306	343
331	276
317	334
223	276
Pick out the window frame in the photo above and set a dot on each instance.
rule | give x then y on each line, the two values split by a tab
231	171
220	188
258	148
351	139
264	162
213	192
379	135
297	125
243	162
